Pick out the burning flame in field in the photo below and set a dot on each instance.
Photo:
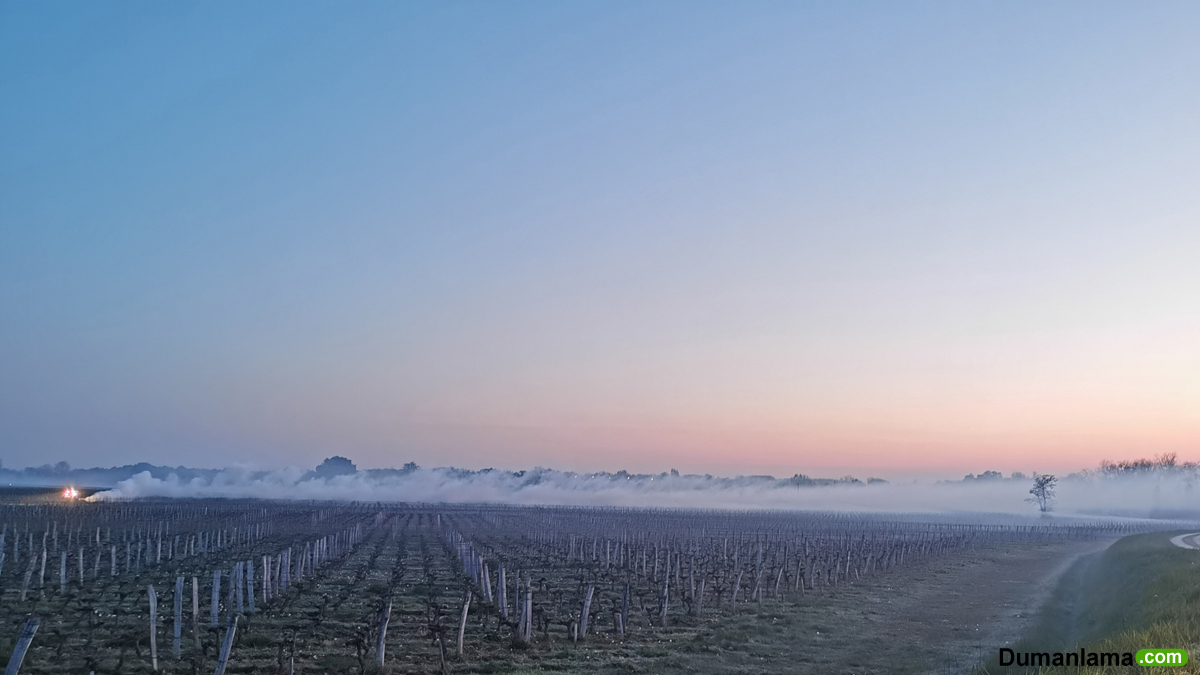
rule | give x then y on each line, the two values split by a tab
70	493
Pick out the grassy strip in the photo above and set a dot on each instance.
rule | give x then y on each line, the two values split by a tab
1142	592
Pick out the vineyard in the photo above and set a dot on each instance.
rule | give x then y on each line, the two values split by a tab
191	586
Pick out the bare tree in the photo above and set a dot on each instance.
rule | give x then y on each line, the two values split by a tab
1043	491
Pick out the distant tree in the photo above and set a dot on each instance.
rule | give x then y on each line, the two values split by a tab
335	466
1165	464
62	468
410	466
1017	475
675	472
1043	492
875	481
798	480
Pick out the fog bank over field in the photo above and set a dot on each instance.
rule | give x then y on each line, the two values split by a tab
1147	494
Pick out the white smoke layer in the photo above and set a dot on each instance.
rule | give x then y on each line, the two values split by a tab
1132	496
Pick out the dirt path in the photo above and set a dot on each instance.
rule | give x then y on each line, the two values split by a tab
943	617
972	607
1191	541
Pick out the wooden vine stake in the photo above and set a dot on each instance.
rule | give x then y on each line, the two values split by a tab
153	628
23	642
227	645
196	610
624	615
216	598
503	593
462	622
587	609
28	576
664	598
385	615
527	636
249	567
176	645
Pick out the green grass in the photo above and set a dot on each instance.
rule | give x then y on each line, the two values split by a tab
1142	592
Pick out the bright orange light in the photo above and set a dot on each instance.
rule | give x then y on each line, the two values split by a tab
70	493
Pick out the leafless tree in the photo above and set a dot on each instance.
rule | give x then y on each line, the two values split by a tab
1043	491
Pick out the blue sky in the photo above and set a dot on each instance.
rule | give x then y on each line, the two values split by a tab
729	237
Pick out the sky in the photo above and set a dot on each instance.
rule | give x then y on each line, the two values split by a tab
891	239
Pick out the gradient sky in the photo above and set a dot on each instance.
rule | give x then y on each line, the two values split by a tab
872	238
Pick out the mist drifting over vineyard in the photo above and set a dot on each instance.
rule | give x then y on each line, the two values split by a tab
1143	493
